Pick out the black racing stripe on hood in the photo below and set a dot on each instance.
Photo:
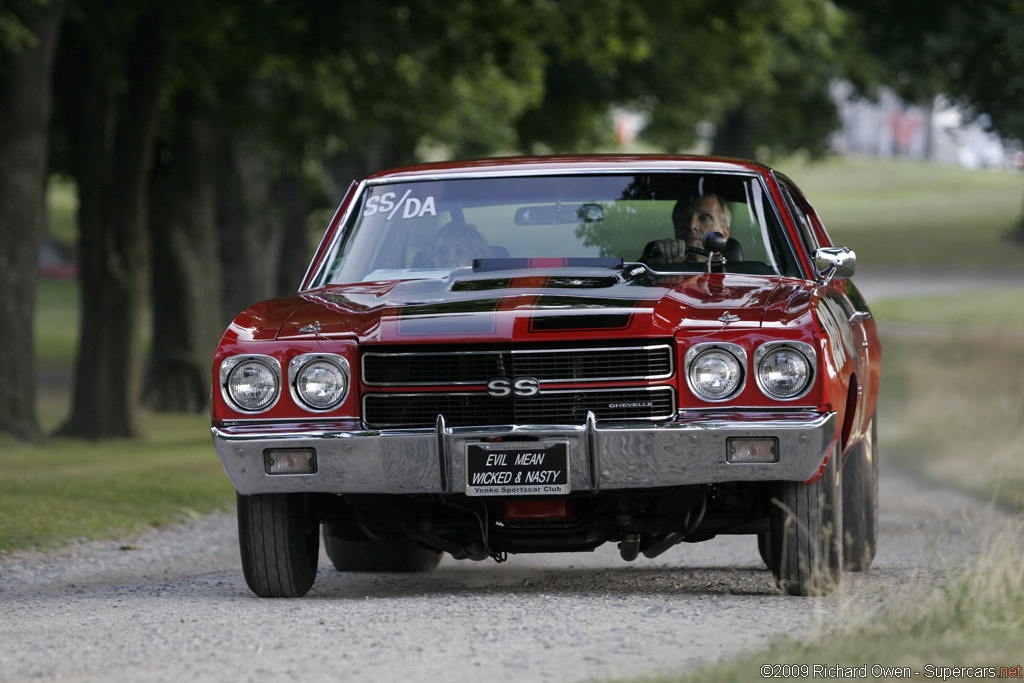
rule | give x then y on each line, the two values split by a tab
563	312
588	315
591	321
459	317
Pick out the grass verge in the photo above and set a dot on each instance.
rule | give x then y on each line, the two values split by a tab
952	399
68	489
969	627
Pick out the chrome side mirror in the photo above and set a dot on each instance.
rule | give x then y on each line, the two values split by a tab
835	262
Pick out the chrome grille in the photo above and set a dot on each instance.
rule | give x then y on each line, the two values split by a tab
552	407
441	368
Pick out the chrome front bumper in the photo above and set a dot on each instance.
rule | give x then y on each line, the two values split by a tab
602	457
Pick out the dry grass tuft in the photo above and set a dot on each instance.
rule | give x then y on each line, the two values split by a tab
952	408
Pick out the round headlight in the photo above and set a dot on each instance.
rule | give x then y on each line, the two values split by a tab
321	384
715	374
252	385
784	373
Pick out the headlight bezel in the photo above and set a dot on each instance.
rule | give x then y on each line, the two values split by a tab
801	348
232	364
300	363
735	351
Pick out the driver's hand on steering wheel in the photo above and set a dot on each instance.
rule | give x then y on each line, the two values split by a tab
667	251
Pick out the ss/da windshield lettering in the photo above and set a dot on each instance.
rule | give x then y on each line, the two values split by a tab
410	207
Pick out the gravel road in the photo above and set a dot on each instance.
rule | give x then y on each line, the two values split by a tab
894	284
171	605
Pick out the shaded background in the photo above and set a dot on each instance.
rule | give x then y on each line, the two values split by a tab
200	147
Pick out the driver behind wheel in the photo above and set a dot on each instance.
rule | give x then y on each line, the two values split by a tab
457	245
691	220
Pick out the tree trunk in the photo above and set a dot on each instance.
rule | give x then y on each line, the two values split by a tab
736	135
111	139
25	104
293	208
250	234
1017	234
186	269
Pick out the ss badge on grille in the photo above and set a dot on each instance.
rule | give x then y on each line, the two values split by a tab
501	387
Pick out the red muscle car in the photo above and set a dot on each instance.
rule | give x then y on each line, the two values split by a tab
547	354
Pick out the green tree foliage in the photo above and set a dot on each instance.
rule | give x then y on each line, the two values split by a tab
424	73
985	52
14	34
758	71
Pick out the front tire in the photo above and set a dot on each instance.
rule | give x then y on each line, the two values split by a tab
806	531
860	503
279	544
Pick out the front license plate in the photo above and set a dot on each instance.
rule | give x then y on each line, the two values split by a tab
517	469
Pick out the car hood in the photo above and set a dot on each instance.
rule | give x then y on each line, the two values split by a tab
556	304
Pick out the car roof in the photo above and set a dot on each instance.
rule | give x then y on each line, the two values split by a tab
565	164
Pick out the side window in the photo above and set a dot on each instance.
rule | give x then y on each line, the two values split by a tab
803	222
819	228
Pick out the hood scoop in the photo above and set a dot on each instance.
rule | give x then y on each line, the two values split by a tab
557	282
485	265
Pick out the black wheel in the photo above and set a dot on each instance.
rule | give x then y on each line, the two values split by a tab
860	503
279	542
806	522
764	548
379	556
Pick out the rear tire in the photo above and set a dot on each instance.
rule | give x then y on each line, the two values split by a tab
279	544
806	531
860	503
379	556
764	547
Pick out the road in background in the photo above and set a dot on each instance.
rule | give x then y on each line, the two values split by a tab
889	284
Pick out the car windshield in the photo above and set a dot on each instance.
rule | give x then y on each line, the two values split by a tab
426	229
